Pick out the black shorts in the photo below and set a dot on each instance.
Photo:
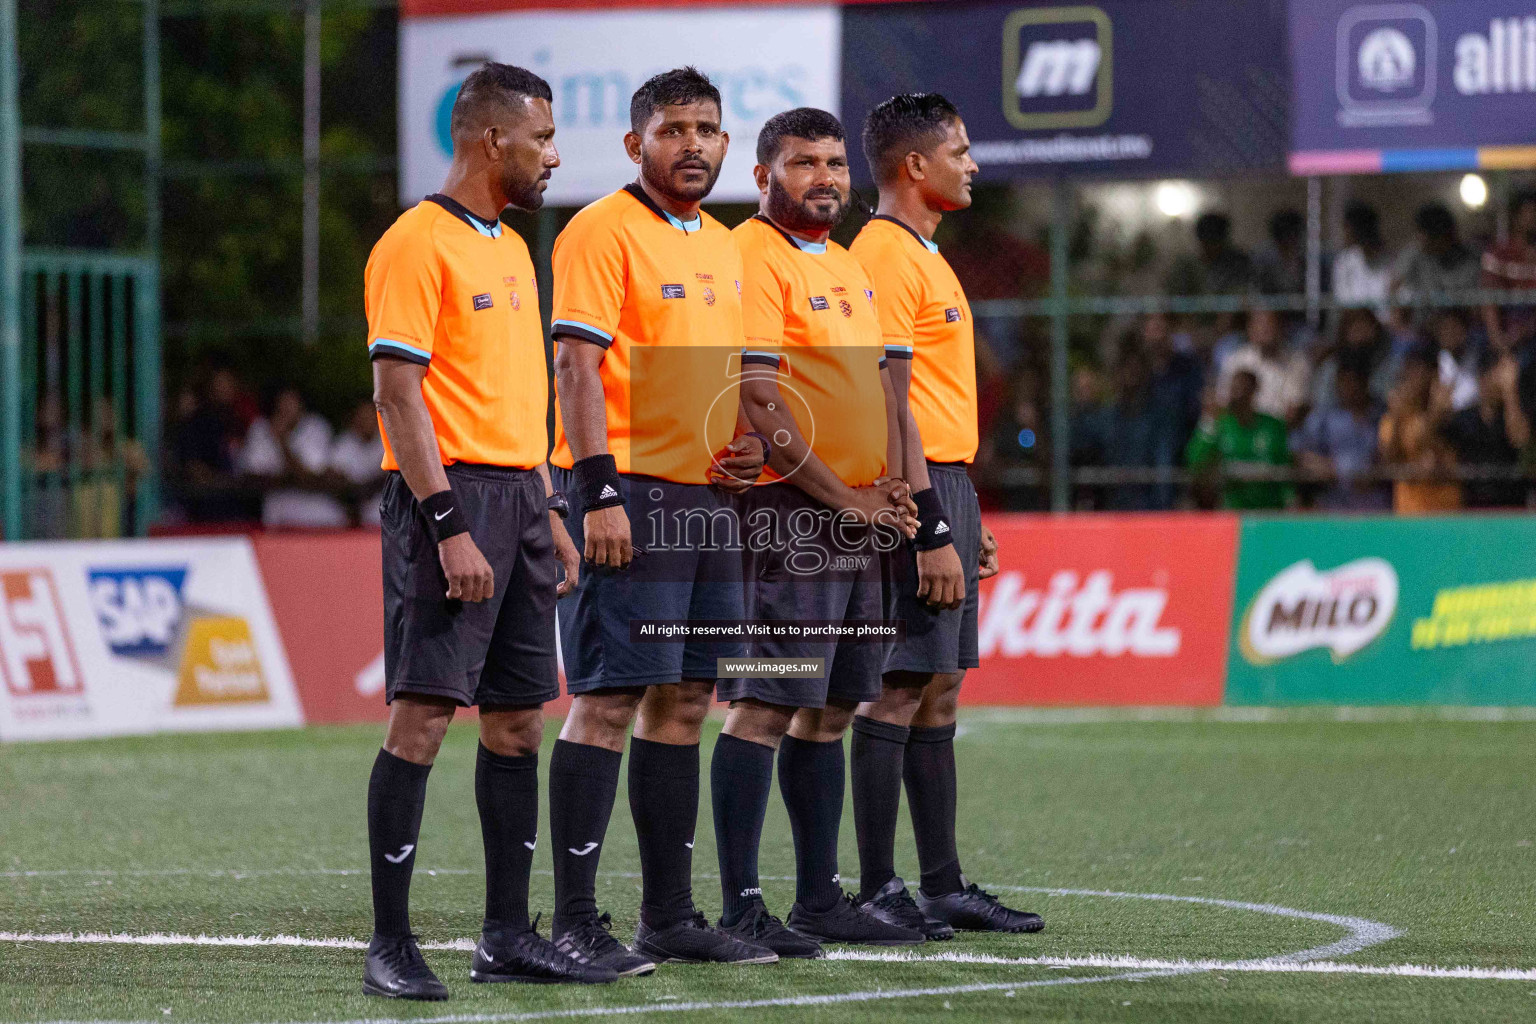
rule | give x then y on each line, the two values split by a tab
939	640
824	574
500	651
692	573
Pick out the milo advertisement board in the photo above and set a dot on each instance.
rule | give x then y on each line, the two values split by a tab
1385	611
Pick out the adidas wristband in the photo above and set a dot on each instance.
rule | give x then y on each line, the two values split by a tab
444	517
597	483
934	531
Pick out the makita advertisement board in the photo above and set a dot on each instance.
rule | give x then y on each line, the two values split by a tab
1111	609
1412	86
1123	87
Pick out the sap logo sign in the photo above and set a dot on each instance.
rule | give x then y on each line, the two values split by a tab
1342	610
1057	65
139	609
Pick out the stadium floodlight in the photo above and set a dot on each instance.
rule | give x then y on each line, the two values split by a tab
1474	191
1174	198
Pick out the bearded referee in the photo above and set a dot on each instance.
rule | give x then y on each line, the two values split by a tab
472	539
650	433
919	154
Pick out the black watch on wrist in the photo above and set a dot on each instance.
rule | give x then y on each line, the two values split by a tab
559	506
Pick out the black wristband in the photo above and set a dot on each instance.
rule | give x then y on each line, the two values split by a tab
934	531
444	517
767	445
597	483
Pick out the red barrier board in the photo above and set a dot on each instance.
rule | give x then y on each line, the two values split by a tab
1106	610
327	594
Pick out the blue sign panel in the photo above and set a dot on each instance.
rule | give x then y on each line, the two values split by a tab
1125	87
1406	86
139	609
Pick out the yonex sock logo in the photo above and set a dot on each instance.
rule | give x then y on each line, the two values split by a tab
607	492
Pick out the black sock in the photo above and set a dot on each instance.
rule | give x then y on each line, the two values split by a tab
664	799
878	751
930	776
582	782
507	793
397	791
740	776
811	777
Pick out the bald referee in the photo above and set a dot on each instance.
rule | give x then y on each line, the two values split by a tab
472	533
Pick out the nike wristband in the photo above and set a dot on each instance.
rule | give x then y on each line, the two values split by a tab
444	517
933	531
597	483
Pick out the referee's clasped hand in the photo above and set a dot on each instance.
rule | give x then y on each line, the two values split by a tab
470	576
608	541
738	465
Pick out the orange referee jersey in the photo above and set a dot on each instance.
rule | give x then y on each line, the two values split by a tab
663	296
456	294
808	310
924	317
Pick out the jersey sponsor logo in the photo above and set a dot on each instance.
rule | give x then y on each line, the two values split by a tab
37	657
483	301
705	277
709	296
838	289
517	303
1076	621
845	307
140	610
1342	609
1057	67
672	291
952	315
820	302
509	280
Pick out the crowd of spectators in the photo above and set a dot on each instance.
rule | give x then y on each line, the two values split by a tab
234	459
1394	400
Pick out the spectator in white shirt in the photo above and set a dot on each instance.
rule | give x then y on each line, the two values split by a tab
1362	273
358	455
1456	358
288	452
1282	376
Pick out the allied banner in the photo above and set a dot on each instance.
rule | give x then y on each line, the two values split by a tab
121	637
1385	611
764	59
1412	87
1127	87
1106	609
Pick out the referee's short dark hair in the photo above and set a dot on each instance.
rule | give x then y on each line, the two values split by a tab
489	87
673	88
806	123
908	123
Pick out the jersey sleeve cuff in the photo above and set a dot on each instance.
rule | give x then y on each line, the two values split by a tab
749	356
583	332
898	351
381	347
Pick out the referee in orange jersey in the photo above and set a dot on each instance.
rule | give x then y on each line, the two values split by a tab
472	536
920	155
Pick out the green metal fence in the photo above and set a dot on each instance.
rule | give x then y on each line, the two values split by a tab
89	394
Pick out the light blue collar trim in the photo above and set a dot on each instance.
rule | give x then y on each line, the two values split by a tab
687	227
929	244
814	248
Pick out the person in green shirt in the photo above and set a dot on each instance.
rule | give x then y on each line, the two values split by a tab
1241	437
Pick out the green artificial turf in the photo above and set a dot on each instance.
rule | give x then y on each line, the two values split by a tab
1420	824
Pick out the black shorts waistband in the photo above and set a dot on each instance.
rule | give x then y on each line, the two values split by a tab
955	467
496	474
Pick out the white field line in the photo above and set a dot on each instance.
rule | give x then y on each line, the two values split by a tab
1303	713
1220	966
